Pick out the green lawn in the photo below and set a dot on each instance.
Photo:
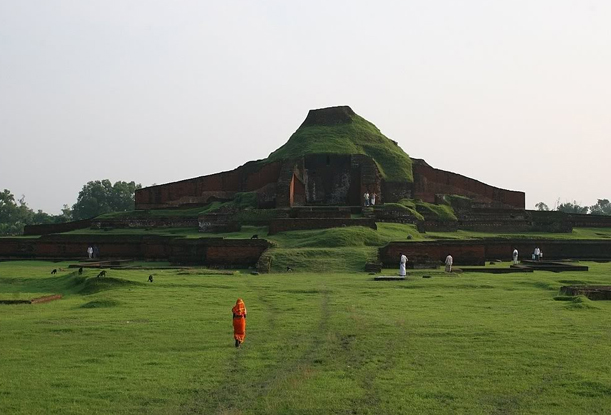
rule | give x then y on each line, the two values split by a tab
316	343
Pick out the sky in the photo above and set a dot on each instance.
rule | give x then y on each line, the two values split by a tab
515	94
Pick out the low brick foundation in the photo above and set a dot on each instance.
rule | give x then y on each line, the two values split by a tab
56	227
478	252
204	251
154	222
593	292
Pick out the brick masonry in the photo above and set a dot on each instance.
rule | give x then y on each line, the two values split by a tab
478	252
429	182
204	251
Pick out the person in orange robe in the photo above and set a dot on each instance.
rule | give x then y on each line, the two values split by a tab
239	322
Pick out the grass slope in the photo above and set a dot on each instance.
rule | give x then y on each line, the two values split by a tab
357	137
316	343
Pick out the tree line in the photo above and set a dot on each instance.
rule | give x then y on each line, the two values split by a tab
602	207
95	198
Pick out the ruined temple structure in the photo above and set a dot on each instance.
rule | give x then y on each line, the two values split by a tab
332	159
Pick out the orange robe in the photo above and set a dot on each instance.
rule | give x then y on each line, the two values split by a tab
239	321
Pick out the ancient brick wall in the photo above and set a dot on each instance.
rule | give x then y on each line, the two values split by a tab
477	252
392	192
218	222
590	221
495	226
328	179
370	180
284	225
429	181
207	251
290	170
200	190
343	213
464	253
389	214
437	226
56	227
152	222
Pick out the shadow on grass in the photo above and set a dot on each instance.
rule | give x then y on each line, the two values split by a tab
94	285
67	284
100	304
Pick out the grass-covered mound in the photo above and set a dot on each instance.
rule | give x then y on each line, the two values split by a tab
355	135
422	210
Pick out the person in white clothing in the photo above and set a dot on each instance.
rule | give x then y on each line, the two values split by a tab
402	263
515	256
366	198
90	252
449	262
373	199
537	253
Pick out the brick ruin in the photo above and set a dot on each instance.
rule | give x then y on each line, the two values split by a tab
477	252
314	191
178	250
322	179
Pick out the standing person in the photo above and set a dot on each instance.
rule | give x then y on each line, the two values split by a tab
515	256
537	253
449	262
90	251
96	251
239	322
366	198
373	199
402	263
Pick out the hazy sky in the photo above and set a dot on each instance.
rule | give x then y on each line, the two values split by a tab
513	93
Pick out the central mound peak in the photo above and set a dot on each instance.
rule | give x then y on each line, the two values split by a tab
329	116
339	130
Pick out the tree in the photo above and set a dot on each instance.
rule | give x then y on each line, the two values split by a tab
65	216
569	207
602	207
99	197
13	216
541	206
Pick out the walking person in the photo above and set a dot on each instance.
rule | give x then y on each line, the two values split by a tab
239	322
515	256
449	262
366	198
402	264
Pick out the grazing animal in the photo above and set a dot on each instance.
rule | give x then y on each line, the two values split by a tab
54	272
151	278
102	274
80	271
255	236
289	269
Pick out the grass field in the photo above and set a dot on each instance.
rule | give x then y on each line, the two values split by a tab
316	343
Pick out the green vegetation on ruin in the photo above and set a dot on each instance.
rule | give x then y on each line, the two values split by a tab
422	210
356	137
315	343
